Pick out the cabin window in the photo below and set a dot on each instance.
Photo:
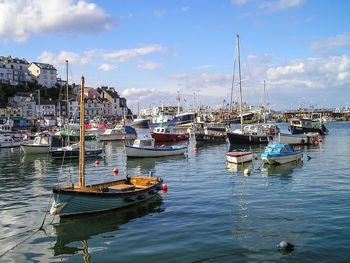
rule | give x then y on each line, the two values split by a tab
147	143
136	143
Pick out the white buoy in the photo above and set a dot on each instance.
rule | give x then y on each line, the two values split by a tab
285	246
247	172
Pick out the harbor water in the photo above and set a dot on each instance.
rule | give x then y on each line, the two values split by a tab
210	213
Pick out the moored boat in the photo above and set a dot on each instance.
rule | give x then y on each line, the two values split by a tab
144	147
41	144
237	157
8	141
280	154
118	133
79	199
139	123
298	139
72	151
166	134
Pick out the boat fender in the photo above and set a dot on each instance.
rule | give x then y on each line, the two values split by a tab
247	172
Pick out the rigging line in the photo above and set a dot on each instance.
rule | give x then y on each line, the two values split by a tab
233	79
35	230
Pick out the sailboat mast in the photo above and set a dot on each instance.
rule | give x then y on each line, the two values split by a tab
264	103
240	83
82	138
67	108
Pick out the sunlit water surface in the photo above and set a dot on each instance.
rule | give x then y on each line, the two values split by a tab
211	212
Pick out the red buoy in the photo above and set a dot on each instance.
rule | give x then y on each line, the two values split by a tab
115	171
163	145
320	140
165	187
195	150
97	162
164	191
316	139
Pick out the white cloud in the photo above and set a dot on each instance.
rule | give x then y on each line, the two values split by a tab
149	65
21	18
59	60
277	72
128	54
107	67
331	45
239	2
159	13
278	5
185	8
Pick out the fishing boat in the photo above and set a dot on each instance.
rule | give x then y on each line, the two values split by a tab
139	123
166	134
8	141
144	147
118	133
41	144
303	125
210	132
79	199
280	154
238	157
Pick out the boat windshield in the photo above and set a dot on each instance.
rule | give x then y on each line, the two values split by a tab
268	150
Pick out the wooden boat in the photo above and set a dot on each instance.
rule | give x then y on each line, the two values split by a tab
238	157
166	134
41	144
144	147
8	141
78	199
280	154
118	133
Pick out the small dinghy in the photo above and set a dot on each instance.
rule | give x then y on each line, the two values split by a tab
280	153
238	157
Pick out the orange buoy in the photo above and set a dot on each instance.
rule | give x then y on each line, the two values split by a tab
115	171
195	150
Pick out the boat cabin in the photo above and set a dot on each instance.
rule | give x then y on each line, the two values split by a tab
279	148
304	123
146	142
162	130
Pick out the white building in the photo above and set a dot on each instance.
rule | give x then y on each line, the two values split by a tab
26	101
45	74
14	71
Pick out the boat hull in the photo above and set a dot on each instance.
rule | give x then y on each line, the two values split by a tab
72	201
283	158
117	137
210	137
74	153
141	124
154	152
239	157
297	139
35	149
239	138
169	137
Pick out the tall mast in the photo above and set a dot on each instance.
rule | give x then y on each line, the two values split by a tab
82	138
240	83
264	103
67	108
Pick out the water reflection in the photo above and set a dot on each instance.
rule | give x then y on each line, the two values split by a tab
83	228
282	169
232	167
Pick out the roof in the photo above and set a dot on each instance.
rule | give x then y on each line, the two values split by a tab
44	65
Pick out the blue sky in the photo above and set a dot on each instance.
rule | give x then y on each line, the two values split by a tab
150	50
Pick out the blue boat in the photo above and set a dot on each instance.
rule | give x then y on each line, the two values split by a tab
280	153
79	199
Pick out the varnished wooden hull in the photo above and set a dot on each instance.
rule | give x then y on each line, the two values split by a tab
70	201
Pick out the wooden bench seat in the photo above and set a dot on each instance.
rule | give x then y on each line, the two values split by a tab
122	187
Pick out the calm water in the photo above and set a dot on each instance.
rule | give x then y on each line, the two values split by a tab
211	212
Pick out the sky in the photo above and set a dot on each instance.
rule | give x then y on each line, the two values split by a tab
151	50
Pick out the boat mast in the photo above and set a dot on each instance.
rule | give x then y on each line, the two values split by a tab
240	83
264	103
67	108
82	137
